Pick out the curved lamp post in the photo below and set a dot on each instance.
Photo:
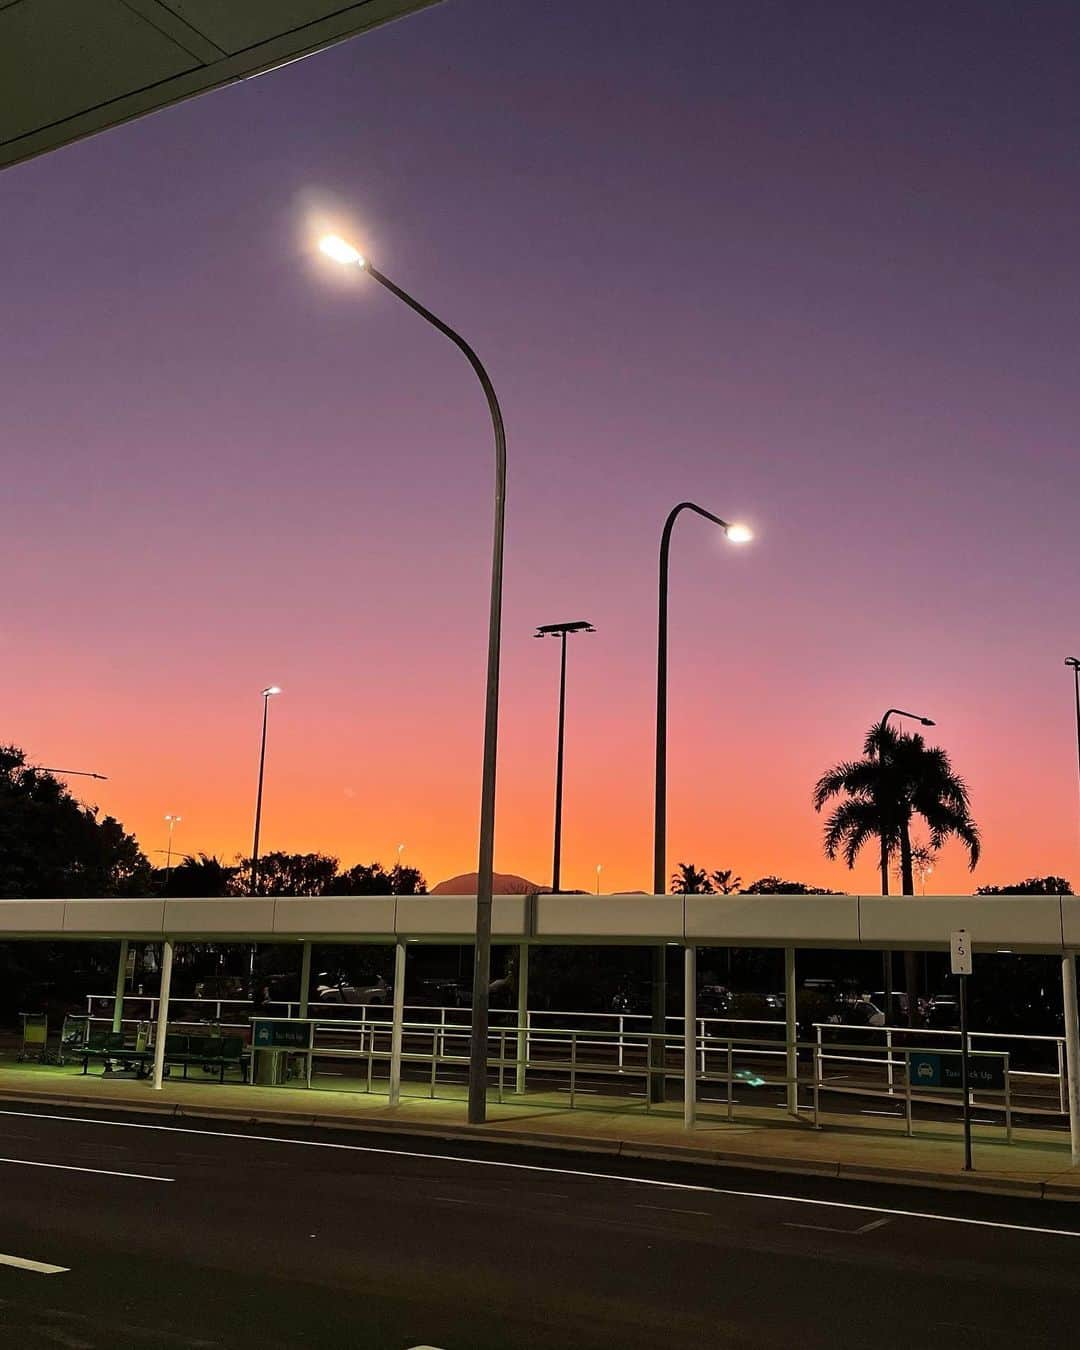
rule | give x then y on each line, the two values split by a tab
342	252
926	722
738	534
267	694
1074	662
886	957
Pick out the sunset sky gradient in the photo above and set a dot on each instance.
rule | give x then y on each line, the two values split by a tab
812	266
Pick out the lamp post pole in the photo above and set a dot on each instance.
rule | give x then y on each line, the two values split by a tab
560	630
342	252
173	822
737	534
886	957
267	695
1074	663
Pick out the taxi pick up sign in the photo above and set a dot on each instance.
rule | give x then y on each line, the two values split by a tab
960	952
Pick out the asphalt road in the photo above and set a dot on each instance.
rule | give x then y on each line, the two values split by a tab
175	1236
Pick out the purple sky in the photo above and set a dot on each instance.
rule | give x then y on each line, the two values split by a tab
814	266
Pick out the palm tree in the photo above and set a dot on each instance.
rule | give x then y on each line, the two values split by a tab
690	880
725	881
898	778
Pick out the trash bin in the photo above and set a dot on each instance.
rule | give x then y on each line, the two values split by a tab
271	1067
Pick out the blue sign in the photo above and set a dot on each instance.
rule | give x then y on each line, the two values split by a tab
931	1070
277	1034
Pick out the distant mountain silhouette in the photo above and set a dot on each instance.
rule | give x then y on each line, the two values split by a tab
502	883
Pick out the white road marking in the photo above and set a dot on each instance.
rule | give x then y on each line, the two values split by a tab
38	1267
97	1171
537	1167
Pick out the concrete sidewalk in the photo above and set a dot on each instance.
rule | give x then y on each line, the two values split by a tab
1036	1164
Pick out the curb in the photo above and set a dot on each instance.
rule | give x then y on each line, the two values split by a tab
583	1144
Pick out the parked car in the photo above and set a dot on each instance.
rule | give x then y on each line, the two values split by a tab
336	989
858	1012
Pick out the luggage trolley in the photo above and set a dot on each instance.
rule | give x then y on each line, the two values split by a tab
35	1038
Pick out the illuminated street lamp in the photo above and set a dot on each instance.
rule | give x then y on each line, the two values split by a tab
737	534
173	822
560	630
267	694
342	252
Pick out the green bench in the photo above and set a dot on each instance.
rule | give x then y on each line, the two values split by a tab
213	1053
209	1052
106	1045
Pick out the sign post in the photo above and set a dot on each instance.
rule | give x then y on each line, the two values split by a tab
961	965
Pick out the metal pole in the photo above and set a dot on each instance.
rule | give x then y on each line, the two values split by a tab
1074	662
886	957
161	1028
556	864
659	961
121	981
482	946
522	1015
305	978
791	1032
258	802
690	1037
964	1072
396	1029
1072	1050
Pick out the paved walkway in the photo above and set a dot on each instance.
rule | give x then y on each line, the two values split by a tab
1037	1163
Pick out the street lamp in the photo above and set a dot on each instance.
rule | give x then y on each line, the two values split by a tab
69	773
560	630
926	722
1074	662
173	822
599	869
342	252
737	534
267	694
886	957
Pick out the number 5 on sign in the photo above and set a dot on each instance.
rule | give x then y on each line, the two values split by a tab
960	952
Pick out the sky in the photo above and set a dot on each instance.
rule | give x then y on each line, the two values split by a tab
812	266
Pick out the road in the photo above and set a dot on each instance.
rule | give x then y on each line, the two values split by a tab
202	1236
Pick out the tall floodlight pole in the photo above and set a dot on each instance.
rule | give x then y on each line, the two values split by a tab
560	630
1074	663
173	821
886	957
267	694
344	253
738	534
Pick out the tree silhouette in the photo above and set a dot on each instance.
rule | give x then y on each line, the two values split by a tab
690	880
203	875
725	881
284	874
898	778
778	886
53	846
1032	886
373	879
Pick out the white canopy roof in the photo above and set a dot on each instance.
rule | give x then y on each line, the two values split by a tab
69	68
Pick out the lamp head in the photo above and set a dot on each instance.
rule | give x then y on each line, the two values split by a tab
271	689
739	534
927	722
1073	661
340	250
